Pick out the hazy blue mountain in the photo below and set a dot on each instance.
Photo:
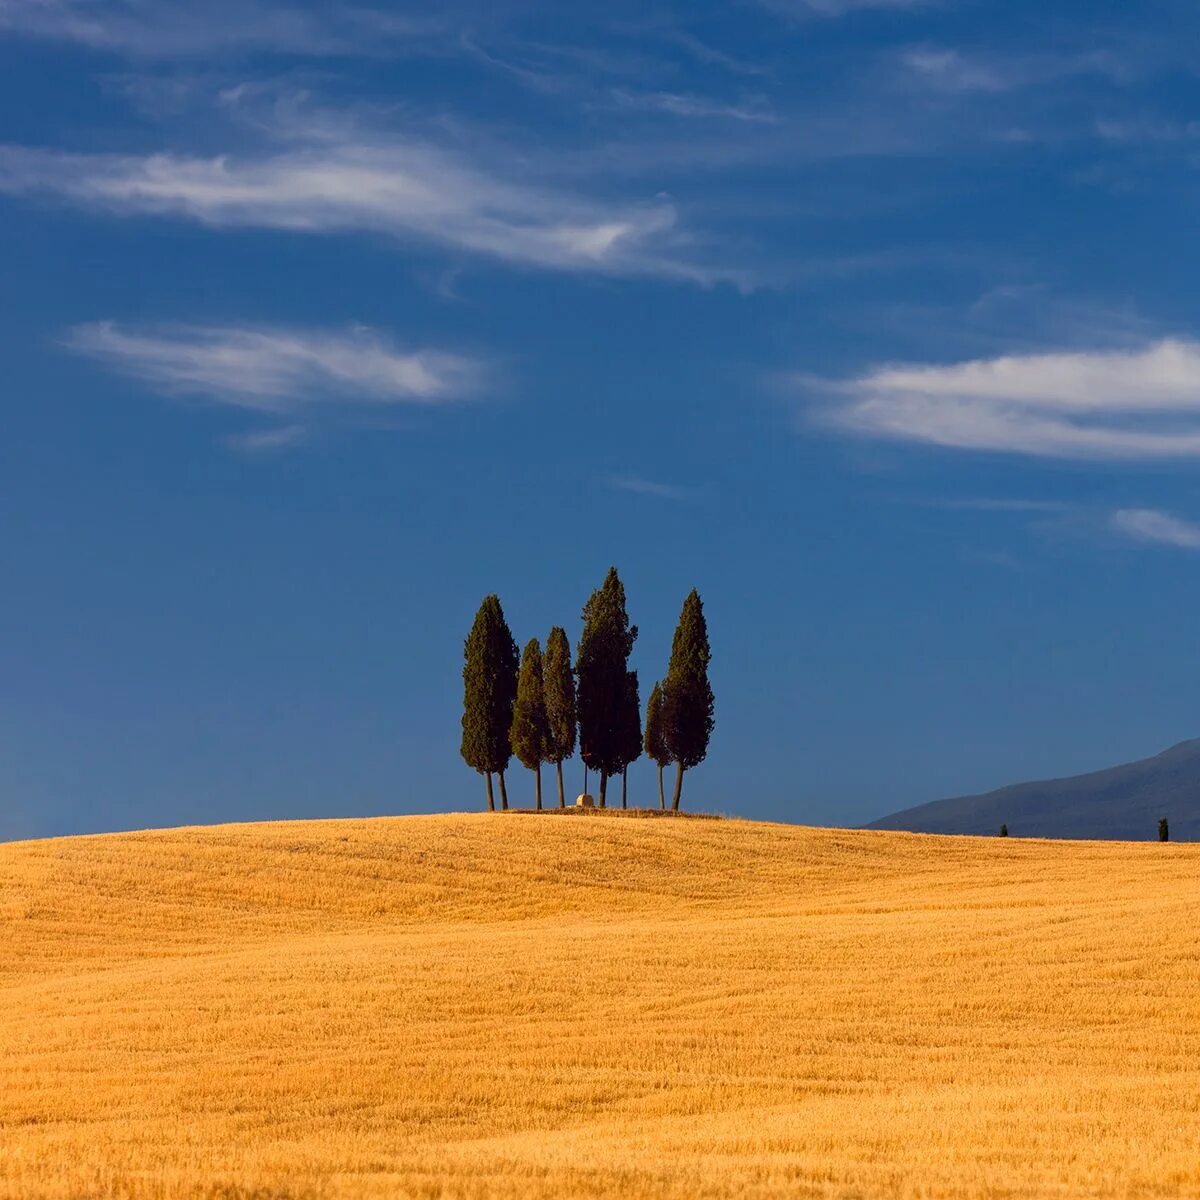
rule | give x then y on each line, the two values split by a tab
1122	802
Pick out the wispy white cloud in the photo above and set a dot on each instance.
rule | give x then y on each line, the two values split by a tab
1079	520
267	441
390	186
678	104
278	370
1153	525
708	54
1143	131
950	69
1129	404
161	28
649	487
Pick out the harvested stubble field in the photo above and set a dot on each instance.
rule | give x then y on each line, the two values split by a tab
514	1005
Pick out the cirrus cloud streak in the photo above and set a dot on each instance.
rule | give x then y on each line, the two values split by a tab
154	28
1153	525
401	188
275	370
1134	404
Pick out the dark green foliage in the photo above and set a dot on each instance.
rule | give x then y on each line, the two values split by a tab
631	721
689	696
1164	832
530	734
656	737
559	686
689	706
1003	830
489	691
631	731
600	666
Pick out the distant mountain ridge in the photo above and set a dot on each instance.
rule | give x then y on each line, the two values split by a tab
1121	803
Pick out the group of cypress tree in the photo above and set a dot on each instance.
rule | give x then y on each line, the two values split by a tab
536	706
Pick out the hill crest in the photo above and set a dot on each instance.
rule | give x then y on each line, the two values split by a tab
518	1008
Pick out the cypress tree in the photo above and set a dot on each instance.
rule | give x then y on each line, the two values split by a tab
1164	830
656	740
600	665
559	683
689	696
489	690
530	734
631	732
1003	829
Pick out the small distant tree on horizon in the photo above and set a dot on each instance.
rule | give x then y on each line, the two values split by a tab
600	666
489	692
1003	829
631	732
559	689
1164	831
530	735
689	695
656	742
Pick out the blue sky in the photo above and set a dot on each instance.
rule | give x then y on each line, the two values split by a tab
874	321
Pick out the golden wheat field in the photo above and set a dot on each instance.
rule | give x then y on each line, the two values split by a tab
519	1005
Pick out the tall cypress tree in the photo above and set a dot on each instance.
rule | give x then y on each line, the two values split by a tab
600	665
489	690
530	730
631	732
559	685
656	737
689	696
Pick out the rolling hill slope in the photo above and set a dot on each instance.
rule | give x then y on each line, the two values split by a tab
1121	803
547	1006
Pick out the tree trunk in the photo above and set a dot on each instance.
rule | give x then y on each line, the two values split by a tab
624	787
678	786
562	796
538	773
662	800
603	787
491	797
503	792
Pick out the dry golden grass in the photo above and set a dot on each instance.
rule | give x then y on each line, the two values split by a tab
513	1006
